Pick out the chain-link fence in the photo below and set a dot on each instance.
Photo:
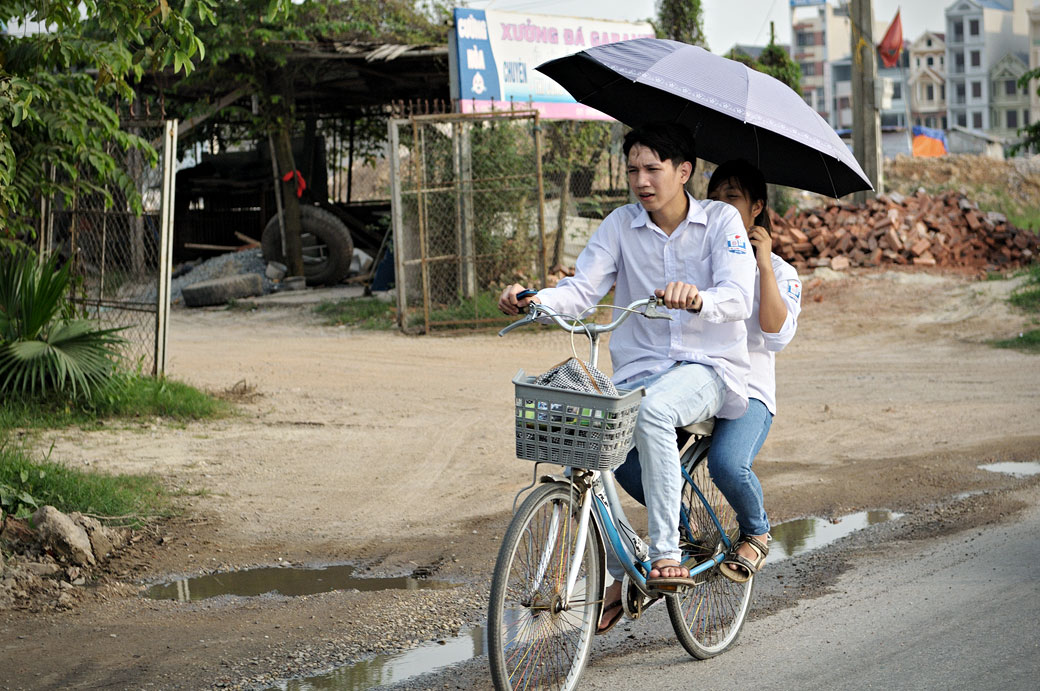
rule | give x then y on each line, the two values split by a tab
467	215
117	254
482	201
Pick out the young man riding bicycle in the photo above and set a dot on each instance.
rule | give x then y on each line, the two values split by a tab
696	256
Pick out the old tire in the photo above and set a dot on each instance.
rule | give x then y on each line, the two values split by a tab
219	291
327	245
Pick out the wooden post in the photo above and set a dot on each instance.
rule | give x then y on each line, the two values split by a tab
866	121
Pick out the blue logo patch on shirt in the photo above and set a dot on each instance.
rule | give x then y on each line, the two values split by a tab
794	289
736	244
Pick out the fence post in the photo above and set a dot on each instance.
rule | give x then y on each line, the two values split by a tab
162	312
541	196
397	222
464	183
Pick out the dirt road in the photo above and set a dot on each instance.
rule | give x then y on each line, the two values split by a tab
394	452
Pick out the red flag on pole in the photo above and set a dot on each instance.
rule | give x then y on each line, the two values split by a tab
892	44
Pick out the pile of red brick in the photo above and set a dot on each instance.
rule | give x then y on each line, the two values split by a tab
923	230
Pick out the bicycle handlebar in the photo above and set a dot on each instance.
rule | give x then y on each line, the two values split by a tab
537	310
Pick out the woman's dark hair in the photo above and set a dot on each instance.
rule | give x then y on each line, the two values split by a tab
671	141
750	181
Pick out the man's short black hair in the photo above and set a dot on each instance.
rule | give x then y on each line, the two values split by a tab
671	141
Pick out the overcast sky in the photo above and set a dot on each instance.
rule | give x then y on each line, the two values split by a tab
727	22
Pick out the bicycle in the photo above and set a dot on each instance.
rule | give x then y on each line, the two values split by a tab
546	592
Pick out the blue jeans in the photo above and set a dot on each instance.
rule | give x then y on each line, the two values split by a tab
680	395
734	445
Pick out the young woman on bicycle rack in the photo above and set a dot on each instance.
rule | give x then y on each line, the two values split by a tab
695	255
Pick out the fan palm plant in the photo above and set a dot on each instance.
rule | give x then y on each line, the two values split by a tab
43	346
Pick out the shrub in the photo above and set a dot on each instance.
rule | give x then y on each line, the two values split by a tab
44	348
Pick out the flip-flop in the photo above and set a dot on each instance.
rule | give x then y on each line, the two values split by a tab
671	582
614	619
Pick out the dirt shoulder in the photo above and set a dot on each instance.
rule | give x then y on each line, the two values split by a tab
394	453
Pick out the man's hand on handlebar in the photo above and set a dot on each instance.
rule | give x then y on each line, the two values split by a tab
509	303
680	296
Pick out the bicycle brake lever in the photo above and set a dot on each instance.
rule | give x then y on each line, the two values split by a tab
530	317
651	311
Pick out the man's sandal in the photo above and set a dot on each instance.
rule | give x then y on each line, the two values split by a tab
746	568
671	583
614	619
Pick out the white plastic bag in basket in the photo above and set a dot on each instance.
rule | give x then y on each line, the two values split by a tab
578	376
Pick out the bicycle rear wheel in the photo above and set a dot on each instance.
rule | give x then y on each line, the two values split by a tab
707	617
534	641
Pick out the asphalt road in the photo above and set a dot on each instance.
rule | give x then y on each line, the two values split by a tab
958	612
961	611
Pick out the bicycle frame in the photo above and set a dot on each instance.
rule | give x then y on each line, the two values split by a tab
611	521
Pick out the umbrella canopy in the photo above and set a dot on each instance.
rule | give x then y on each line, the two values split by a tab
733	111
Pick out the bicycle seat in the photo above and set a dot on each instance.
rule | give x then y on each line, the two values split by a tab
700	429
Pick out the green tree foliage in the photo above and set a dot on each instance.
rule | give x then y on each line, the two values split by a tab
681	20
251	41
59	89
775	62
574	147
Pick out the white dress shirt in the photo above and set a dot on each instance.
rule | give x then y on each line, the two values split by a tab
709	249
762	347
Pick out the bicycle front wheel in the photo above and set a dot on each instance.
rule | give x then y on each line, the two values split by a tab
535	639
707	617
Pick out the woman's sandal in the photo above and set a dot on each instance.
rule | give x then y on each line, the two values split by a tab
746	568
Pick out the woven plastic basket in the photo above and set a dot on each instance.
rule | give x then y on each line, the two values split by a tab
573	428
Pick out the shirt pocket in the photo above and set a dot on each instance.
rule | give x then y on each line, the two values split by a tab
696	262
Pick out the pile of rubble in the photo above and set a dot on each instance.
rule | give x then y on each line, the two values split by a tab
50	556
945	230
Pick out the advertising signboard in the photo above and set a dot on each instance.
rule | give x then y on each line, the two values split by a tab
494	55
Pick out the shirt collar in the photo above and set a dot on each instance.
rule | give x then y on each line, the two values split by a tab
695	214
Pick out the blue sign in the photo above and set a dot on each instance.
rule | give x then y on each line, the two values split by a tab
478	72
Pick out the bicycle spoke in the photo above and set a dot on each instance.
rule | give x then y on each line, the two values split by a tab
535	640
707	617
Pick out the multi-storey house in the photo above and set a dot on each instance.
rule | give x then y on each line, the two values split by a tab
927	80
979	34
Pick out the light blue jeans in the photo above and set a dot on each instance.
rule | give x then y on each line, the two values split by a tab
734	445
680	395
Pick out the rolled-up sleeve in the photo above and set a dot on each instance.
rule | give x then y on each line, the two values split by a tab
791	292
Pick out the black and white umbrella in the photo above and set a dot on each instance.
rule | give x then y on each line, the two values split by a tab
733	111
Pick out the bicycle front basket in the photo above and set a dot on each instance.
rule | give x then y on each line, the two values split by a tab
574	428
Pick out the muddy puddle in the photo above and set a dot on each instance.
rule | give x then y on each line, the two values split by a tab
804	534
1014	468
789	539
285	580
391	669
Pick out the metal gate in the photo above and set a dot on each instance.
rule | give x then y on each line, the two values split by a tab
468	217
121	259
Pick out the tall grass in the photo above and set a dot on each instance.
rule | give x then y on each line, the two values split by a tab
115	499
